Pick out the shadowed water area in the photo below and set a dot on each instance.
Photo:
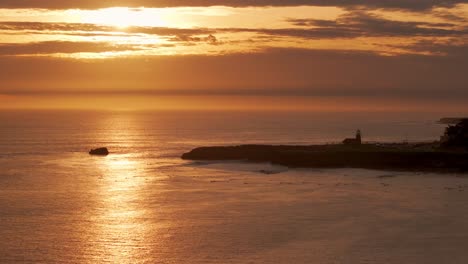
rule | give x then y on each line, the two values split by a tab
143	204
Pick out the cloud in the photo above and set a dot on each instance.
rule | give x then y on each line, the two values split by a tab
351	25
363	24
92	4
210	39
355	24
451	48
92	30
48	47
38	26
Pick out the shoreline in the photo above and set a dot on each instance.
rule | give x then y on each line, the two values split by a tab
422	157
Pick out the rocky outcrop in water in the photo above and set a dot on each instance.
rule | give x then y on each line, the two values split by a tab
99	152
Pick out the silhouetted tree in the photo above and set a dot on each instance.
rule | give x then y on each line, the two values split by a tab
457	135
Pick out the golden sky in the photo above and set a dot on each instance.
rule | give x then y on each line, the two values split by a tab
195	54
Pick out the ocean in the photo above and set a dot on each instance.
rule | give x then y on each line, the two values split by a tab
143	204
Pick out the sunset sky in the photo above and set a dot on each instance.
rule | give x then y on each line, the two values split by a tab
256	54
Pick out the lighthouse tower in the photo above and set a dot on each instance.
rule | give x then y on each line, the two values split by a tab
358	137
354	141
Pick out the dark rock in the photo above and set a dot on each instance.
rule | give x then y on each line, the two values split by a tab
386	176
99	152
267	172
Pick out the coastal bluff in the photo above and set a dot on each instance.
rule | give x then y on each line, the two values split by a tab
391	156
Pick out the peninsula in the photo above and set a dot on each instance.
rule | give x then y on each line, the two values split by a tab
448	155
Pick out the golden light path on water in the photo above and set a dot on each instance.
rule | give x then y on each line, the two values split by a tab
120	227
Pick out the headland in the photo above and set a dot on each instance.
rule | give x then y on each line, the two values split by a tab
447	155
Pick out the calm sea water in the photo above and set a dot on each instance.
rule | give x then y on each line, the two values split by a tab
142	204
163	134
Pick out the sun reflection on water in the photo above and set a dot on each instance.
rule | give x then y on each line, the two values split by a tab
120	229
120	226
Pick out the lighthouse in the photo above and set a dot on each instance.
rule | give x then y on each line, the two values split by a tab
358	137
354	141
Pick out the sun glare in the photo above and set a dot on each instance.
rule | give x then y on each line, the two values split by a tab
122	17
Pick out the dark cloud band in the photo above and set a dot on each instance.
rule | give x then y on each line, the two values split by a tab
50	47
91	4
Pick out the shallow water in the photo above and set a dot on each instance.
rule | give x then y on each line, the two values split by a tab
142	204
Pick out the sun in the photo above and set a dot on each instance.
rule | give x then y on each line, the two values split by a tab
123	17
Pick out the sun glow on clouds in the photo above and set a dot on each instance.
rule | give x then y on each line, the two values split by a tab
297	50
220	30
121	17
177	17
